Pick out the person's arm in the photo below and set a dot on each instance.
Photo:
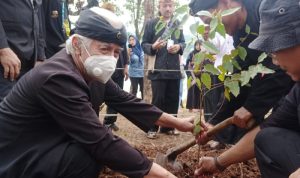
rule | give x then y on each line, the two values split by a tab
157	171
8	59
242	151
140	113
295	174
148	39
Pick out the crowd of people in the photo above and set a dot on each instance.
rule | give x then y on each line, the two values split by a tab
53	80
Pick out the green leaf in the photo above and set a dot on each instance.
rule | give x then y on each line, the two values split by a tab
245	78
211	69
253	33
183	9
197	129
221	68
226	93
177	33
230	11
236	77
159	26
194	27
236	64
212	34
242	52
199	57
189	82
205	13
234	53
247	29
221	77
206	80
262	57
201	29
199	85
227	65
233	87
221	29
184	19
263	69
211	48
213	24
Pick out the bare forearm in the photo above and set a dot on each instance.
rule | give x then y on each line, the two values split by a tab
242	151
157	171
167	120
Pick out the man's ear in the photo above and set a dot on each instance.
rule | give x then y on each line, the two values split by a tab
76	44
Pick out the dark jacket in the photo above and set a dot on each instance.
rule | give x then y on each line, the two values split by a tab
52	108
164	60
265	90
20	30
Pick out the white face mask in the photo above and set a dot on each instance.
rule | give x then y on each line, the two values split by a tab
100	67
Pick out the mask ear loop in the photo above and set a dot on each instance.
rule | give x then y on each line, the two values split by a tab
85	48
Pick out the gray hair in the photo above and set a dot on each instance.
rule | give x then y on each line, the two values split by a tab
69	46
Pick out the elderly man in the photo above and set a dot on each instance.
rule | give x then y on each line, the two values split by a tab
275	144
48	127
266	90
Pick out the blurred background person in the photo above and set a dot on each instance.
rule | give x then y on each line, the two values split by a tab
136	65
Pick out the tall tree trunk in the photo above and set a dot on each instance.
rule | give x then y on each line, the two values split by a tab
149	14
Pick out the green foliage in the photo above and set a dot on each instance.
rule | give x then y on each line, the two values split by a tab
206	80
211	48
262	57
211	69
242	52
189	82
230	11
199	85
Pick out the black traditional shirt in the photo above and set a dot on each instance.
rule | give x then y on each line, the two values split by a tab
51	107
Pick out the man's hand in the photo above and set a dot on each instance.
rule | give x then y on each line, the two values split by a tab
295	174
11	63
174	49
207	166
202	138
185	124
158	44
241	117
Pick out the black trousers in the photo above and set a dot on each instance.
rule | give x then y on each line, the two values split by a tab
135	82
277	152
112	119
76	162
165	96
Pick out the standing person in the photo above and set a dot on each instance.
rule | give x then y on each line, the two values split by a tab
193	94
165	84
118	77
57	25
21	41
266	89
52	129
136	65
275	143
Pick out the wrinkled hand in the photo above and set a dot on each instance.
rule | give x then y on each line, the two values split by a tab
186	124
206	167
295	174
241	117
11	63
202	138
159	44
174	49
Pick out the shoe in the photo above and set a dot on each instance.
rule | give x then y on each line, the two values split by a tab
151	134
170	132
113	126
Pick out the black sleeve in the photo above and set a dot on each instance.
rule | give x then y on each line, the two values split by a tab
125	55
3	40
187	64
286	115
181	43
41	34
140	113
266	91
66	99
148	39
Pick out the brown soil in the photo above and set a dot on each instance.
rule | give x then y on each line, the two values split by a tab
189	158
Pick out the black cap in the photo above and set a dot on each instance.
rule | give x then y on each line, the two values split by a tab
199	5
279	26
102	25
